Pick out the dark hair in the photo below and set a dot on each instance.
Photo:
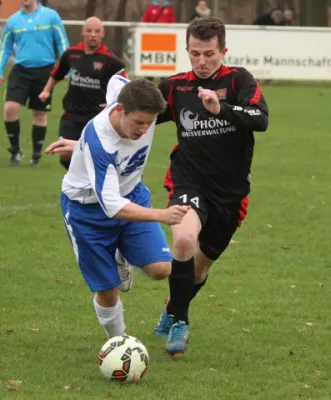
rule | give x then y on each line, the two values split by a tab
207	28
142	95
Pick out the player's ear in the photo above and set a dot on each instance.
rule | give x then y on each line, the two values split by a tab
119	107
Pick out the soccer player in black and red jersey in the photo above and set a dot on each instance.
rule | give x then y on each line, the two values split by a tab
91	66
216	109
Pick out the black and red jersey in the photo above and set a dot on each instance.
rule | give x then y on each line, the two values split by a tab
214	152
89	76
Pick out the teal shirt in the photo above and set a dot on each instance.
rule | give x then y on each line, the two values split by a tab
34	36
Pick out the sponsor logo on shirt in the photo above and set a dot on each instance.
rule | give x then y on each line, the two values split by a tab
83	81
136	161
221	94
206	127
97	65
184	88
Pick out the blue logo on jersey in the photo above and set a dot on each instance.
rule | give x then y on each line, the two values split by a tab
136	161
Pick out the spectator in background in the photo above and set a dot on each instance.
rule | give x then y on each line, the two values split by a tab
288	17
33	30
159	12
201	10
91	66
273	18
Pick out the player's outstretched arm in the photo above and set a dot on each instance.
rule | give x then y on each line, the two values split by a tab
61	146
44	95
171	216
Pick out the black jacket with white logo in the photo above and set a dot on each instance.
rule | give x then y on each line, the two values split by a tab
89	76
214	152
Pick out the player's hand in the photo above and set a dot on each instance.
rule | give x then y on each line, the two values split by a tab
61	147
174	214
2	79
44	95
210	100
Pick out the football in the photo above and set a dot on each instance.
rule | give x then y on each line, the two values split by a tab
123	359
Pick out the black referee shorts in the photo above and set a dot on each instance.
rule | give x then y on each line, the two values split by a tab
219	220
72	125
26	84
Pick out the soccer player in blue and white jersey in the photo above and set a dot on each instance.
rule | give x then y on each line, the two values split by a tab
106	206
35	31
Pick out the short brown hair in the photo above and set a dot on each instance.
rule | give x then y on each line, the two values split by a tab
142	95
207	29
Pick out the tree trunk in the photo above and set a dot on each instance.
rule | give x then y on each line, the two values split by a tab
178	11
119	33
319	13
261	7
189	7
304	13
90	8
314	13
140	7
282	4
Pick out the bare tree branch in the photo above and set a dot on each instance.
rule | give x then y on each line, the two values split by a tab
90	8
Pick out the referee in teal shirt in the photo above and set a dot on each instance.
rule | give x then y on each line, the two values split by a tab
34	31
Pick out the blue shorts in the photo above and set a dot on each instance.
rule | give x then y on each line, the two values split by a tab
94	238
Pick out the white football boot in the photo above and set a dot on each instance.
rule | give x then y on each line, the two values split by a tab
125	272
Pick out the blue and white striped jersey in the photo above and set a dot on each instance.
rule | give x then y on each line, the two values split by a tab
106	168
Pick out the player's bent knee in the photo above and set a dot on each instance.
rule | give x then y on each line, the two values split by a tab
158	271
185	243
11	110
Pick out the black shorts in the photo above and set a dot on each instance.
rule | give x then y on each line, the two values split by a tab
219	220
72	125
26	84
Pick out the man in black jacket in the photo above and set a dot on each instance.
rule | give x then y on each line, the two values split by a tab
273	18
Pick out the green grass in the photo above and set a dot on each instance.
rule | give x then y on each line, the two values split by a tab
261	326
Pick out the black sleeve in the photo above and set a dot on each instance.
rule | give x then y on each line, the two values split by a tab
251	110
116	66
62	67
166	89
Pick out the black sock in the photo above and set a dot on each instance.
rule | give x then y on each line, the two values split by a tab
197	287
38	138
65	163
13	132
181	282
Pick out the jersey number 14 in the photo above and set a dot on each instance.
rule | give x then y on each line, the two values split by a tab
194	200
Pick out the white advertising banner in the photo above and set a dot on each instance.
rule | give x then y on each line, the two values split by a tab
287	53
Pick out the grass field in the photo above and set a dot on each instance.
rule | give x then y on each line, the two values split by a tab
261	326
